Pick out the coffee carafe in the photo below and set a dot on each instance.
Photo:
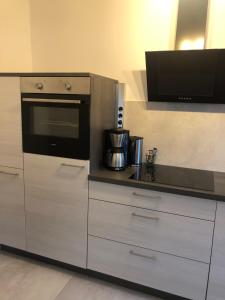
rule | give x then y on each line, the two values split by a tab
116	148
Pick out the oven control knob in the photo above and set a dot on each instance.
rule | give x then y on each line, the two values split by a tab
39	86
68	86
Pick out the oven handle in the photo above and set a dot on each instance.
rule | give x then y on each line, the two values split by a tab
51	100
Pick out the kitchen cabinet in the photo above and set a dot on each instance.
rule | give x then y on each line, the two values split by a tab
159	240
56	198
216	289
12	216
10	123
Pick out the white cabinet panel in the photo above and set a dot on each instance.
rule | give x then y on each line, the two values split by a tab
56	193
10	123
166	202
164	272
216	290
178	235
12	215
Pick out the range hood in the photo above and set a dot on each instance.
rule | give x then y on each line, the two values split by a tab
190	76
192	24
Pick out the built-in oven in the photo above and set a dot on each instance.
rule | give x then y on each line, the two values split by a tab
56	124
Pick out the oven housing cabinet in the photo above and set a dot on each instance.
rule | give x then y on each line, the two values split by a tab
84	104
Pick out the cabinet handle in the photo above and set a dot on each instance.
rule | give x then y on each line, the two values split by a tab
148	197
72	166
11	174
142	255
39	100
145	217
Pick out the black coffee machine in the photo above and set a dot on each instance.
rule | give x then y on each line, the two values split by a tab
116	148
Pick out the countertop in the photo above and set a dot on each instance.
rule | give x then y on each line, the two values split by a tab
215	191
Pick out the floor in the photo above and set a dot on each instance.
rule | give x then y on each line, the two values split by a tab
25	279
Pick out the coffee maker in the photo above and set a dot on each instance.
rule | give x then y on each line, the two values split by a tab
116	148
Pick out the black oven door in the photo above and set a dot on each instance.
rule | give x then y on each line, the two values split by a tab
56	125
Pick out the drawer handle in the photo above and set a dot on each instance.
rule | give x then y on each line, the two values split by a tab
7	173
142	255
148	197
145	217
72	166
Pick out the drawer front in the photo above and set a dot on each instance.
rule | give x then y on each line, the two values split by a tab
181	205
78	85
182	236
168	273
12	215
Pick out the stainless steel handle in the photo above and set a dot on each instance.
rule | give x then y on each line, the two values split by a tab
145	217
51	100
72	166
8	173
142	255
147	196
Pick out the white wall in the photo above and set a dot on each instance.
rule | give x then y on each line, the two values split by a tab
15	50
110	37
186	135
107	37
216	28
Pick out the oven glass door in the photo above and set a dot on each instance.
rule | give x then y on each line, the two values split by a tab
58	127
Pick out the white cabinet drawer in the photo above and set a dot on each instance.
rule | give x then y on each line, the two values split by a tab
216	290
56	207
178	235
12	215
177	204
168	273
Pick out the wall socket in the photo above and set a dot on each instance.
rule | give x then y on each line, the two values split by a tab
120	98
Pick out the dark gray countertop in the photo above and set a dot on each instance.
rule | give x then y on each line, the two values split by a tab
122	178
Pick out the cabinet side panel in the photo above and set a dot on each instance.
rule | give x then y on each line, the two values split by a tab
216	289
10	123
103	105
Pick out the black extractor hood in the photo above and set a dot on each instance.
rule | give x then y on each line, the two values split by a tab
193	76
191	73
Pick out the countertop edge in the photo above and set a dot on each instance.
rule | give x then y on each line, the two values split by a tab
158	188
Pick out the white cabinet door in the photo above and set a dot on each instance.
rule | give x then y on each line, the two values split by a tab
56	197
216	290
168	273
10	123
12	215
